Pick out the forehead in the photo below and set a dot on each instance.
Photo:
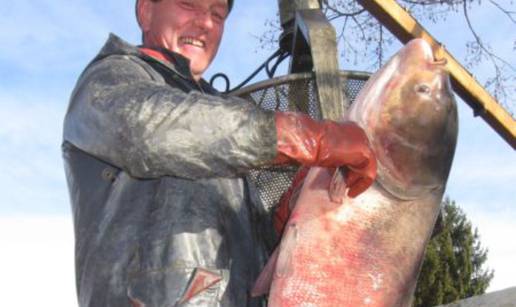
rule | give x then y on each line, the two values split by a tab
208	3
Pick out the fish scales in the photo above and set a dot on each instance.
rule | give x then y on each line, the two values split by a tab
309	281
367	251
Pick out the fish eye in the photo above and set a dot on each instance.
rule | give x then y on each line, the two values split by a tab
423	89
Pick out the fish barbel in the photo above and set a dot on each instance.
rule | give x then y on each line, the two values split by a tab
367	251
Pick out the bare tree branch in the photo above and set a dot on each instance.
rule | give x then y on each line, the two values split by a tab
364	40
483	46
506	12
341	13
479	49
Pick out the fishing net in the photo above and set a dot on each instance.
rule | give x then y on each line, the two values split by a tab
293	92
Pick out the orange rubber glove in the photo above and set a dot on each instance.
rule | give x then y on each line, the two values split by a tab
305	141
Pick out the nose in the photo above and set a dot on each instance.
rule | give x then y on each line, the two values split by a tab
204	19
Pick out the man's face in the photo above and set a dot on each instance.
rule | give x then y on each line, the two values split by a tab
192	28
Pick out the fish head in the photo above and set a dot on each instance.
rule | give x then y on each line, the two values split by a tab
408	111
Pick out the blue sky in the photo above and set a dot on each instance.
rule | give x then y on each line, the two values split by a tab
45	46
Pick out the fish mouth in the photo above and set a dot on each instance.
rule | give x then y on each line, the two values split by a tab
190	40
440	62
422	51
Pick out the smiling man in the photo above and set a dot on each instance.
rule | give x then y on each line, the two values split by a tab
192	29
156	162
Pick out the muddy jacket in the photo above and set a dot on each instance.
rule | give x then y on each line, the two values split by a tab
155	165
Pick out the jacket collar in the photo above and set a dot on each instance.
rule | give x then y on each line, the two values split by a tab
174	61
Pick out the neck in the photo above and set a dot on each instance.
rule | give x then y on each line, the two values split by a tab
161	56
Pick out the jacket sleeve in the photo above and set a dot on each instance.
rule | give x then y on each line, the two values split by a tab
123	114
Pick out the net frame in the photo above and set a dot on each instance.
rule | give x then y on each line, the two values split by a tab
293	92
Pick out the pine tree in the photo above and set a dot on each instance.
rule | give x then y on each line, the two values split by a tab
453	264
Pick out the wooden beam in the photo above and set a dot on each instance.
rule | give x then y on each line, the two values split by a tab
405	27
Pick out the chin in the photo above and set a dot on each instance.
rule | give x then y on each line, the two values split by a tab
199	70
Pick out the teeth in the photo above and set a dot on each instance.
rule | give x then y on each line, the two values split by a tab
192	41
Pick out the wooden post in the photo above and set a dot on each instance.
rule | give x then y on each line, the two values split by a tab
312	41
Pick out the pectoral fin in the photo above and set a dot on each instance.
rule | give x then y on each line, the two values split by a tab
338	188
264	281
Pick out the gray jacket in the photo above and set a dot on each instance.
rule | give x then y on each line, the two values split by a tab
155	164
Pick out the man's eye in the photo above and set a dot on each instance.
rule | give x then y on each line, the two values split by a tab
217	17
187	5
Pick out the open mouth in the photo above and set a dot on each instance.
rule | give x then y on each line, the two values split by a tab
187	40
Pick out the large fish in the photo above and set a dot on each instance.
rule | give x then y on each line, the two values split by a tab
367	251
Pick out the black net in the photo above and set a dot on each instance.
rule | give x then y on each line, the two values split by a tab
294	92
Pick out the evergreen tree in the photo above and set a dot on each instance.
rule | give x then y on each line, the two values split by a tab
452	268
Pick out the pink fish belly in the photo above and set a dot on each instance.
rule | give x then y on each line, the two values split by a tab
348	254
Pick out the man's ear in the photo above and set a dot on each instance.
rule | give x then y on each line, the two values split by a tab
144	14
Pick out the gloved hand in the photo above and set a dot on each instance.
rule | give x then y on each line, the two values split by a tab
305	141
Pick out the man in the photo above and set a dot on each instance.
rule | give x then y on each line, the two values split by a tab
156	161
